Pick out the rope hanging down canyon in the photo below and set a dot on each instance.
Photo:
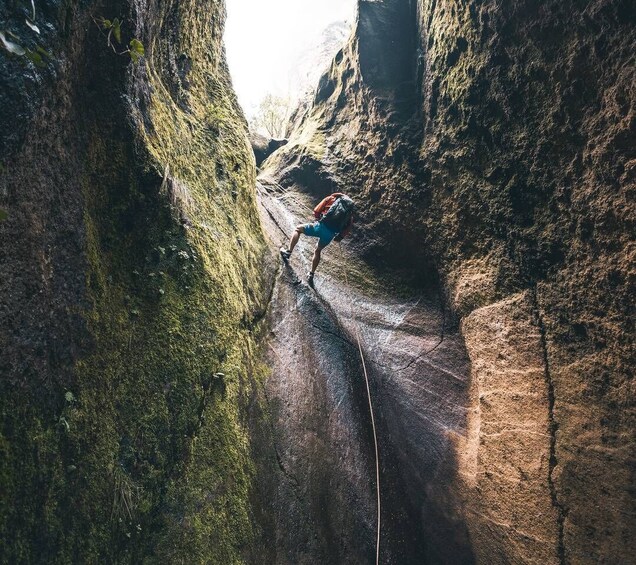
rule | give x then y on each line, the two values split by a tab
366	379
375	435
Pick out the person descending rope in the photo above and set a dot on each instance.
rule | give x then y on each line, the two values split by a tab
334	217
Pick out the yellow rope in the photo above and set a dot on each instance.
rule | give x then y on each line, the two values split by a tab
283	192
375	436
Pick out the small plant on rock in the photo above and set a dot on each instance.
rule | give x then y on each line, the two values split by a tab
112	30
25	44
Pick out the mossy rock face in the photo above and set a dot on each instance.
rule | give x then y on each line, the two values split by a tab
135	279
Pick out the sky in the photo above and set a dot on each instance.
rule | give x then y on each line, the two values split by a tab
264	37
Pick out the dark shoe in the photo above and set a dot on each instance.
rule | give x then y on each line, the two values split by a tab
310	279
285	253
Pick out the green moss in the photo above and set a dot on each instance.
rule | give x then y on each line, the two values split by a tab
168	307
149	460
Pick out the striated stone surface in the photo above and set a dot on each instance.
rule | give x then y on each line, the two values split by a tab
492	145
322	432
506	458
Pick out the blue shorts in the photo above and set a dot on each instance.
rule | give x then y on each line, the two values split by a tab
321	231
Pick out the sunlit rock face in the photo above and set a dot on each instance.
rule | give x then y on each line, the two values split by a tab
491	145
312	61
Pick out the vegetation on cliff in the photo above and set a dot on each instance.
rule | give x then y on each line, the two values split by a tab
134	263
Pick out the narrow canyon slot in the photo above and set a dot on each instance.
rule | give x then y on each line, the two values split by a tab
317	282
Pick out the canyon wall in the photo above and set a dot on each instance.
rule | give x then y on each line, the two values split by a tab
131	288
491	147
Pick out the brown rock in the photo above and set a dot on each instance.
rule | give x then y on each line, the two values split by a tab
502	163
505	462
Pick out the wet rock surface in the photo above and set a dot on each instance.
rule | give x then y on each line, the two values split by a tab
418	370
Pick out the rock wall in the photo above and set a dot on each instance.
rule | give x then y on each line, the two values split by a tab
492	145
263	146
130	293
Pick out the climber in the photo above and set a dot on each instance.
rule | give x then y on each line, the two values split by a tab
334	217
